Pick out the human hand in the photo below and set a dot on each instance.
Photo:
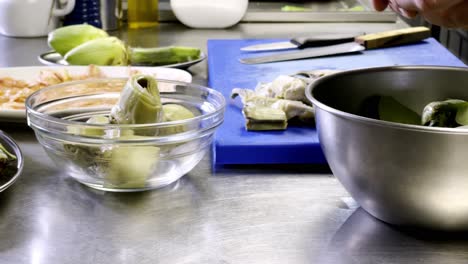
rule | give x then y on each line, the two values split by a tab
446	13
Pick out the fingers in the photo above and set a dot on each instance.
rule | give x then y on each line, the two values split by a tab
453	17
406	13
380	5
447	13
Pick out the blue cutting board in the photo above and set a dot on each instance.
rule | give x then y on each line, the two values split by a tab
234	145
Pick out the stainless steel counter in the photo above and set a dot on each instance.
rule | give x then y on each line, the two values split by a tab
267	214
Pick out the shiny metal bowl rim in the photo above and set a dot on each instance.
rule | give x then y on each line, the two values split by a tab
310	96
19	158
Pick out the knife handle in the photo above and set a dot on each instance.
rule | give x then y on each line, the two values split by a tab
393	37
323	40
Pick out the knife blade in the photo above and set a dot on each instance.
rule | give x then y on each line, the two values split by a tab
303	42
360	43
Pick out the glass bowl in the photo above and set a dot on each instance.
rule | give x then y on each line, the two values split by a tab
104	156
11	146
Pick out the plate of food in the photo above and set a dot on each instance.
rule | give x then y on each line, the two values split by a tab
17	83
53	58
85	45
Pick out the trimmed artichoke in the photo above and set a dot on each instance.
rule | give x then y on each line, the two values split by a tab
174	112
130	166
101	51
448	113
66	38
139	102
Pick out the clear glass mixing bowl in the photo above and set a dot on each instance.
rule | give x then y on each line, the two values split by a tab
102	156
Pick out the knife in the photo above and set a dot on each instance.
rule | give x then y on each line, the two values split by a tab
360	43
304	42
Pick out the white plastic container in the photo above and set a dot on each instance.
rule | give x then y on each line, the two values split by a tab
209	13
31	18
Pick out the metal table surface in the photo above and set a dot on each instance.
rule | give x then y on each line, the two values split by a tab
265	214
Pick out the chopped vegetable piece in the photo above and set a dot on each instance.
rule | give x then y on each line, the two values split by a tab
291	108
264	118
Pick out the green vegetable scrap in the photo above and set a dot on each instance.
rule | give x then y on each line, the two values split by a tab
85	44
357	8
289	8
64	39
272	105
163	55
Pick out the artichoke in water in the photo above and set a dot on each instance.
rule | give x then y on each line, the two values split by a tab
139	102
128	165
101	51
65	39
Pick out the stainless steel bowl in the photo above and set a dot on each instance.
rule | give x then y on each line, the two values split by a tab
402	174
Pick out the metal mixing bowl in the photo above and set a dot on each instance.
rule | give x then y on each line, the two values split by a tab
402	174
